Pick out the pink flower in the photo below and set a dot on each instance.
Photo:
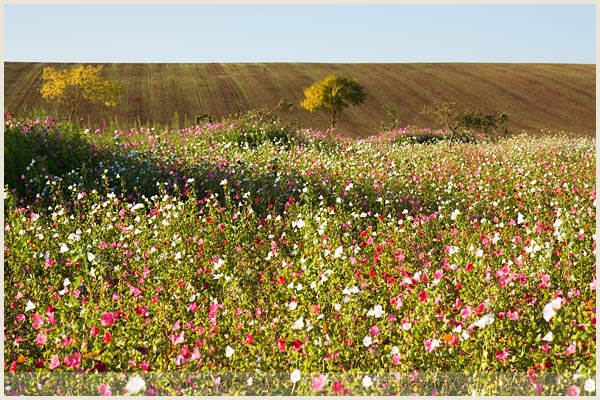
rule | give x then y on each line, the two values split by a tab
573	391
431	345
465	312
193	307
73	360
104	390
107	319
179	339
422	296
107	337
54	362
36	321
41	339
396	359
374	331
21	317
502	355
571	349
318	382
195	354
94	331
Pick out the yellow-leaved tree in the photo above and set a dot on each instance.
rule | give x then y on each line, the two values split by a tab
73	86
332	95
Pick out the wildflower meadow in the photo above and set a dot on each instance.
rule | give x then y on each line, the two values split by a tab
251	257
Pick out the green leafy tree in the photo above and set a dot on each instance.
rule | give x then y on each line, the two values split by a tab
332	95
71	87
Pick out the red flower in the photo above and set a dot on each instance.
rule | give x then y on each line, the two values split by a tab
281	345
249	339
422	296
338	387
107	337
297	345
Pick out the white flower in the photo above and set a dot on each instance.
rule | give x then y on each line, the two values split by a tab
366	382
135	385
63	248
29	306
479	253
298	224
91	257
299	324
292	305
376	312
395	350
295	376
66	282
551	308
224	182
454	215
338	252
137	206
219	263
367	341
549	336
520	219
406	325
486	320
337	306
589	385
229	351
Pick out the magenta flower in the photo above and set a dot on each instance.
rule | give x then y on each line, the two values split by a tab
36	321
502	355
73	360
318	382
107	319
104	390
374	331
94	331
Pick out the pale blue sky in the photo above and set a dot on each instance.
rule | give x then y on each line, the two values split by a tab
300	33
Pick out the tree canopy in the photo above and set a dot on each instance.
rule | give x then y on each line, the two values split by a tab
332	95
70	87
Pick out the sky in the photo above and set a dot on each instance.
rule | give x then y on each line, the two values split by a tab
542	33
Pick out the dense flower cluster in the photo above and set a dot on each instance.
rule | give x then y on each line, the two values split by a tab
187	252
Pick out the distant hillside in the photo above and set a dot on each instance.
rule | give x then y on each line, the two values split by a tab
535	96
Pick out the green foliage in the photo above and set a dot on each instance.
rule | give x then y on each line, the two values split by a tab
332	95
393	119
447	116
71	87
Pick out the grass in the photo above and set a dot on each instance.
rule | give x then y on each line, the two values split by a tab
556	97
